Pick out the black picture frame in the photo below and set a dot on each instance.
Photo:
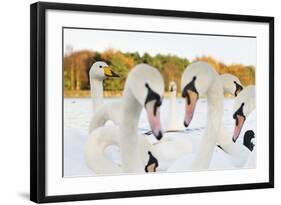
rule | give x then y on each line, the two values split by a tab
38	100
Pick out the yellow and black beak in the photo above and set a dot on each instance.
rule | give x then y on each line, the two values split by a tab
109	73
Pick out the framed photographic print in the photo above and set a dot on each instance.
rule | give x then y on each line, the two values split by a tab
129	102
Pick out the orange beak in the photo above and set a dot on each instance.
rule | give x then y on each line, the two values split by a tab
191	100
238	127
153	114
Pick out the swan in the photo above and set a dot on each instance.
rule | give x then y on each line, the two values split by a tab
243	106
200	79
165	151
231	84
99	71
102	112
238	152
173	123
144	87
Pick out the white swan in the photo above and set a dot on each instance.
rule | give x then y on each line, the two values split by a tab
165	151
231	84
143	88
102	111
201	79
236	151
173	122
244	104
99	71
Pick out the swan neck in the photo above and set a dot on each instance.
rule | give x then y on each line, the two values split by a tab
129	133
213	125
96	92
132	110
215	109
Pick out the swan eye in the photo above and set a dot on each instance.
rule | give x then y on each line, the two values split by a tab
100	66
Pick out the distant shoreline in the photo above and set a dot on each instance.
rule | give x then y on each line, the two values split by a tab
87	94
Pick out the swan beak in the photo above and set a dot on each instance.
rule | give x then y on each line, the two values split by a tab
153	114
152	163
151	168
192	98
238	126
109	73
238	90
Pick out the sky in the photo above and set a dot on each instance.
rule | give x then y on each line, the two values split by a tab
225	49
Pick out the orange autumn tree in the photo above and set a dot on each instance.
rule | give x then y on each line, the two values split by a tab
246	74
77	64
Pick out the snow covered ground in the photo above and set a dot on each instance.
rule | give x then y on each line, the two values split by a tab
78	112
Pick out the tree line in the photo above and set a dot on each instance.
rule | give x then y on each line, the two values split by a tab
77	64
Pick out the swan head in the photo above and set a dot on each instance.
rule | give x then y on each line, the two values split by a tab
196	80
172	87
244	104
146	84
231	84
100	71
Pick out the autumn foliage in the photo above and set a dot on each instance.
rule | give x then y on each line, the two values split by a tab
76	67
